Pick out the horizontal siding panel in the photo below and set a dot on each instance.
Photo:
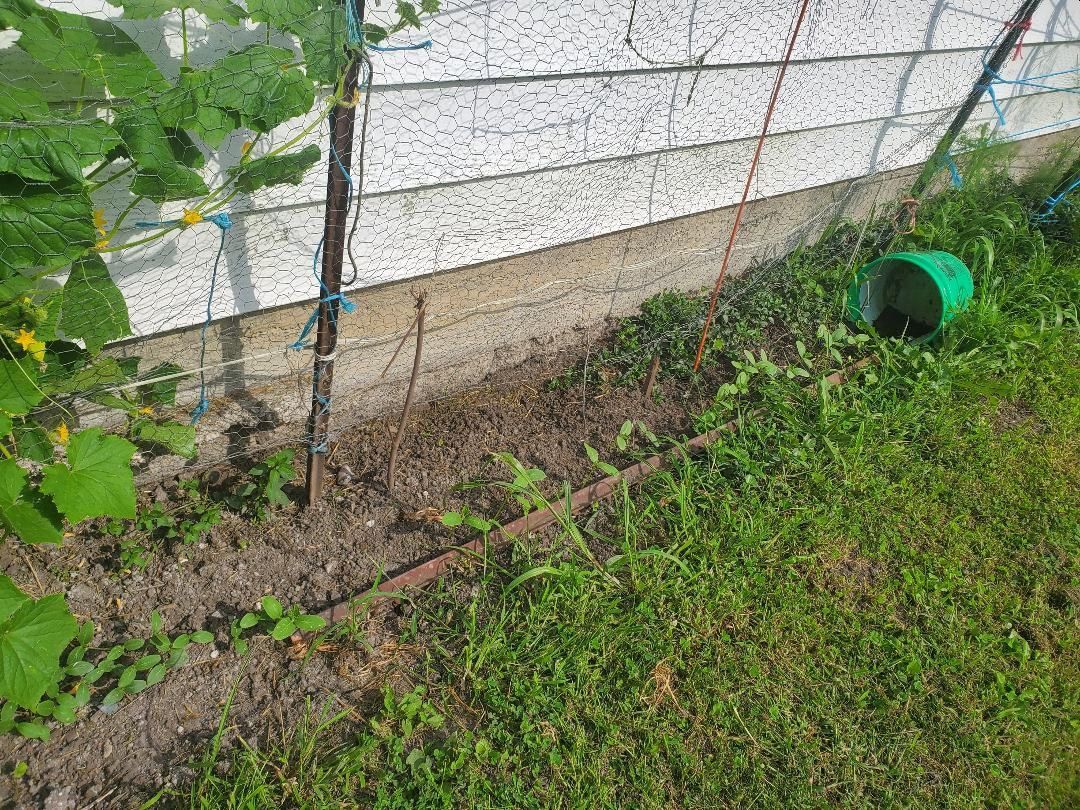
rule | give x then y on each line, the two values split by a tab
520	38
268	259
422	138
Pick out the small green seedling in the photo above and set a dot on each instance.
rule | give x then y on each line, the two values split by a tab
622	440
466	518
71	689
272	619
603	466
154	526
139	670
256	497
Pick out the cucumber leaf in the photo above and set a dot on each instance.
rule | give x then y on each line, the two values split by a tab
42	228
96	481
54	152
25	512
272	171
32	638
93	306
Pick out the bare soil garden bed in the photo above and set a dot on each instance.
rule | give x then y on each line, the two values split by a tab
124	754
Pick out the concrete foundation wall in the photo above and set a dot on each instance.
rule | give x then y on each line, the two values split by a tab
486	317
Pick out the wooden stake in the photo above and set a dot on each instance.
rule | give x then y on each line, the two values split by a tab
650	378
421	310
342	120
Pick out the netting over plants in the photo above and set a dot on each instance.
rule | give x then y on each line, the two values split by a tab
164	164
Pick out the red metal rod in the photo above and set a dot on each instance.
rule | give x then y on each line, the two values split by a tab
750	179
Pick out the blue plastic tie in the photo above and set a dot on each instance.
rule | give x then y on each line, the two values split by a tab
224	222
1024	132
954	173
1028	81
354	29
1047	212
989	88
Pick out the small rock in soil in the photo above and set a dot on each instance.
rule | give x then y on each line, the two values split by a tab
329	567
83	593
60	799
370	524
344	475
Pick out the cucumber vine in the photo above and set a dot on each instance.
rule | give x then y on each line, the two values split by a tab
152	134
63	157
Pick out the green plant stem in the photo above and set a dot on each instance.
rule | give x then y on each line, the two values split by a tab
183	35
221	203
331	103
95	186
98	169
120	219
146	240
33	382
79	100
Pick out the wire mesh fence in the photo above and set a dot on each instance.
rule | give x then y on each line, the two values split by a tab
178	179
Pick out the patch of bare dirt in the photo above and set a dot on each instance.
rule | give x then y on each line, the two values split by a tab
315	558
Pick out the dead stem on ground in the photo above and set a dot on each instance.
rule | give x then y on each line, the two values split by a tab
663	687
385	660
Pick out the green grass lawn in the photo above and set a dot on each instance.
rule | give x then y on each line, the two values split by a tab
867	597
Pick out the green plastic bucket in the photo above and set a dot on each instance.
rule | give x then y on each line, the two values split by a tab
910	295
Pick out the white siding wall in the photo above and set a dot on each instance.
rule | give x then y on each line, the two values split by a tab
530	124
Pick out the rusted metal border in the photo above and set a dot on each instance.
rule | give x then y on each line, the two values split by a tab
427	572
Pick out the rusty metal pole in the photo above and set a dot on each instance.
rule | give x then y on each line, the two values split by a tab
339	163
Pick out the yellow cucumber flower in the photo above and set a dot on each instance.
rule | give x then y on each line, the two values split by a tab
34	348
61	434
191	217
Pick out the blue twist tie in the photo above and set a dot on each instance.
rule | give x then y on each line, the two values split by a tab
224	222
989	88
221	219
1047	212
347	306
954	173
354	31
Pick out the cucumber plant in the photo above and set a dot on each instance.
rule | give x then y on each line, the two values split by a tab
41	682
273	620
57	156
98	115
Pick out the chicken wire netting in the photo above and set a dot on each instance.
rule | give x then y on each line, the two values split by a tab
533	167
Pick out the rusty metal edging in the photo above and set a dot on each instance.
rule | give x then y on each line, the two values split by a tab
428	572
